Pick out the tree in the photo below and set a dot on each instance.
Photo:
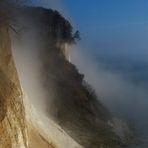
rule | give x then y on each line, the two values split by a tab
76	36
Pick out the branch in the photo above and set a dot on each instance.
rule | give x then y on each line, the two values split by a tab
13	29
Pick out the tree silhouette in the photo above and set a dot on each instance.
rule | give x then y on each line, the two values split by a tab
76	36
59	27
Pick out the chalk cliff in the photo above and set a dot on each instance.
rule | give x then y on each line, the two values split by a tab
76	116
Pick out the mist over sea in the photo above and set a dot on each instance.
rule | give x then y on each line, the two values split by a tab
121	83
135	73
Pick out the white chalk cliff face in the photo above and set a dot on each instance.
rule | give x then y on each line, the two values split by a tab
22	125
13	130
65	47
44	101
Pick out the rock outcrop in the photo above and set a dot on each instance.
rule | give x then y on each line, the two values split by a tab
76	117
20	124
13	131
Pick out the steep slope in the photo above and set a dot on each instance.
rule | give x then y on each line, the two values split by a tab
74	117
74	105
12	119
20	124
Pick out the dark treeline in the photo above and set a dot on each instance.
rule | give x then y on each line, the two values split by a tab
55	24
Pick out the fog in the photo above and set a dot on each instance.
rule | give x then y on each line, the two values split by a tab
123	98
26	48
112	88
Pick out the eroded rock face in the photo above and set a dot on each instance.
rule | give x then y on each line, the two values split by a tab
14	129
21	126
12	117
75	106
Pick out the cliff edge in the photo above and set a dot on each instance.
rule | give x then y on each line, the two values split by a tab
74	116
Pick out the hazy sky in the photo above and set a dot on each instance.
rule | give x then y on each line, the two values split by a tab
108	26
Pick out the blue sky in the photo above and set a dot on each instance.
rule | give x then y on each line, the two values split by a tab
108	12
108	26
